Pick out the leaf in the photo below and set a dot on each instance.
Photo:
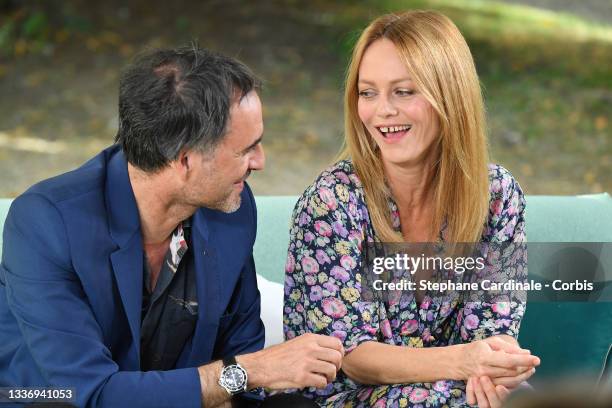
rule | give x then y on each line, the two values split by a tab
35	25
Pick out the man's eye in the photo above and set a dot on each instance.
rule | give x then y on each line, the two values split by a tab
249	150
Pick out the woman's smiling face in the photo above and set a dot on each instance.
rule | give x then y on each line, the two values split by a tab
401	120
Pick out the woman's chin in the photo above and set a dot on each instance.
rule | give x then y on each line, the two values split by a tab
404	160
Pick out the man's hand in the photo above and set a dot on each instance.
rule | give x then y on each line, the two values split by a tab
310	360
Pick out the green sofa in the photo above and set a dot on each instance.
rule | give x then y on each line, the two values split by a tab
570	338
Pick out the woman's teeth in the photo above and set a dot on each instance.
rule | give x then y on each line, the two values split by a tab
392	129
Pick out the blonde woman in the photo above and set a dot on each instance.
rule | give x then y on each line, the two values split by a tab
415	169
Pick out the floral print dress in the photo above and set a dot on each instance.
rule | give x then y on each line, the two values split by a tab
323	289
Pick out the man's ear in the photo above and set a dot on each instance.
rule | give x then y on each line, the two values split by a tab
183	163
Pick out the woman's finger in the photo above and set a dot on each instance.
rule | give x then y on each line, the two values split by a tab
498	344
514	381
481	398
497	372
470	397
512	361
502	391
490	392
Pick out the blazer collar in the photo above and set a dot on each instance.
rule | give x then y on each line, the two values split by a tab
124	219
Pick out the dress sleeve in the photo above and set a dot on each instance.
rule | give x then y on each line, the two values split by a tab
506	226
322	273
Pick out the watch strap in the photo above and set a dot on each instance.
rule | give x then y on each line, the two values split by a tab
228	361
231	362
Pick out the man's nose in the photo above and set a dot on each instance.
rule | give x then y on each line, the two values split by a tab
258	159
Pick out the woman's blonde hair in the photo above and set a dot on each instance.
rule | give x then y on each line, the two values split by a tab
442	68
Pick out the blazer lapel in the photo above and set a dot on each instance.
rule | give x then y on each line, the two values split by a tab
124	225
127	266
208	288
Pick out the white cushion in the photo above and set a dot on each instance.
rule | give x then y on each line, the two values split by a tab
271	309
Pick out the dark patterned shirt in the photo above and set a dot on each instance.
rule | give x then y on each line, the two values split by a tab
170	312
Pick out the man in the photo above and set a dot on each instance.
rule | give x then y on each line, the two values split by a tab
131	279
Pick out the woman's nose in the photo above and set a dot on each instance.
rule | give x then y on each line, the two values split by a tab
386	108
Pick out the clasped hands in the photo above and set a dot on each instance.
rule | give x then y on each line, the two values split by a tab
493	367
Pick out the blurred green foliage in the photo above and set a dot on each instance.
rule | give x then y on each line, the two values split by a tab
36	27
507	39
545	75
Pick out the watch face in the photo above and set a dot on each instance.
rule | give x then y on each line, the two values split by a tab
233	378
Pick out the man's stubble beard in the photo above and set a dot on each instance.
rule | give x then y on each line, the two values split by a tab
230	205
227	205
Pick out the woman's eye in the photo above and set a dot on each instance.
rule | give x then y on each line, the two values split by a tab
404	92
366	94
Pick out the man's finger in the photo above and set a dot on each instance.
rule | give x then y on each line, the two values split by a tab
330	342
326	369
330	356
315	380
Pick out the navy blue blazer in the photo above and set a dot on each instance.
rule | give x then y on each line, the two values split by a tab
71	291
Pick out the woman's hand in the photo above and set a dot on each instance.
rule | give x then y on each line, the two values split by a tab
482	392
497	359
490	392
509	345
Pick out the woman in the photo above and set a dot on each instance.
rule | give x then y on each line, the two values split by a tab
414	169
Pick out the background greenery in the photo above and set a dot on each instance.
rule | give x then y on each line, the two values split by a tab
546	78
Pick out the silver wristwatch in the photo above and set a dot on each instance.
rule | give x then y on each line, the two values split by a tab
233	377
